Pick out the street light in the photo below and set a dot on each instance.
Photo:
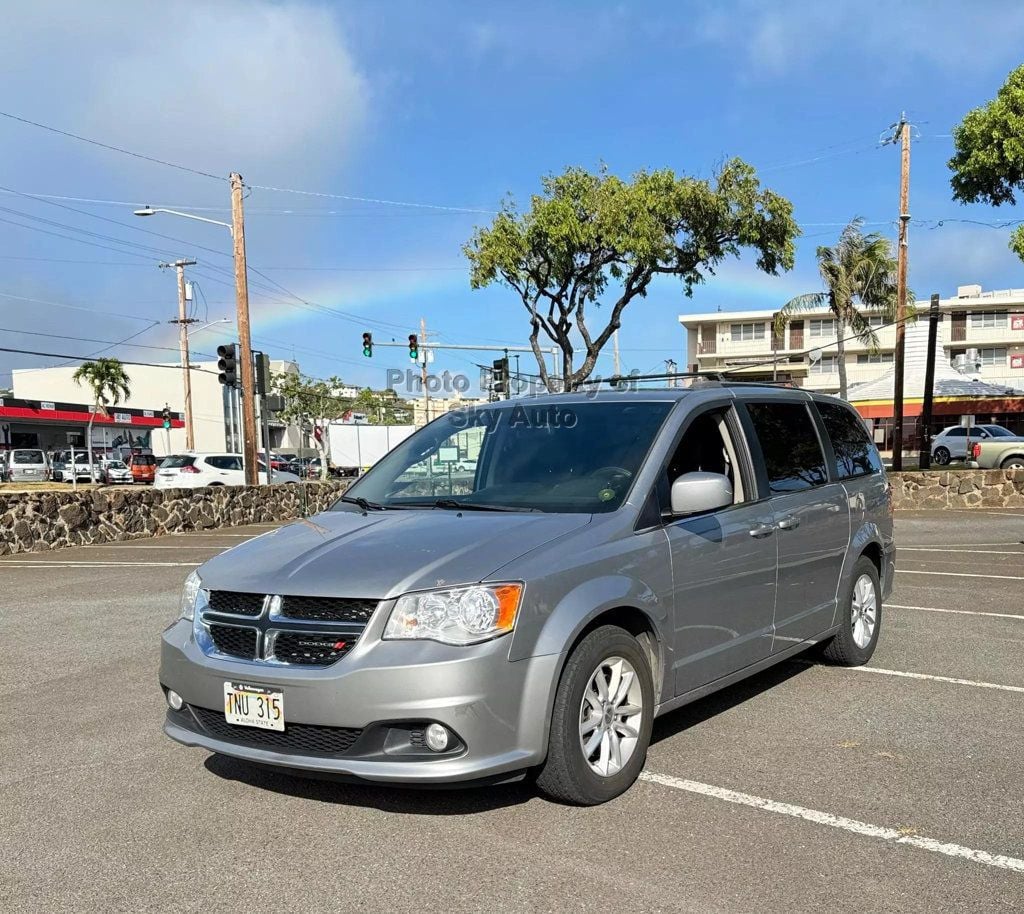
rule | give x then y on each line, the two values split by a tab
151	211
222	320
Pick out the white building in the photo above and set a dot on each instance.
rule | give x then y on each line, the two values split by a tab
989	325
215	408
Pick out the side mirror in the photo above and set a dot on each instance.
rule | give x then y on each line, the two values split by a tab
694	493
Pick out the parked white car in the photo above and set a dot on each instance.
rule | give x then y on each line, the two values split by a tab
81	471
193	471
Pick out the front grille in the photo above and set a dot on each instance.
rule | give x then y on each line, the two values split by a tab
313	648
328	609
301	739
238	604
238	642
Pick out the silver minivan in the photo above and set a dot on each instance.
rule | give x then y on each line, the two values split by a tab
610	558
27	464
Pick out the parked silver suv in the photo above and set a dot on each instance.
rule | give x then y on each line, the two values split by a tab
612	557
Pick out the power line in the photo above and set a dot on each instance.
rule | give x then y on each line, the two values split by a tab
127	152
57	304
376	200
86	339
85	358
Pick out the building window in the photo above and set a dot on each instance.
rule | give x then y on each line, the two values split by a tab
874	358
827	364
825	327
877	322
988	319
744	332
992	356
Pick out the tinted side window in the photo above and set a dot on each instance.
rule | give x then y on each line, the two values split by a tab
855	453
957	433
790	446
218	463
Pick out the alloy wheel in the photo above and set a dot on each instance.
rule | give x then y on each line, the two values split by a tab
611	712
864	611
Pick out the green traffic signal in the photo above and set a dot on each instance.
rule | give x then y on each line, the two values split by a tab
414	348
367	346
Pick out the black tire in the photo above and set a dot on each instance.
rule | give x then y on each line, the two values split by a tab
843	648
566	775
941	456
1012	463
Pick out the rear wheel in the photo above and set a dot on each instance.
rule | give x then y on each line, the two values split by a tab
941	456
1013	463
861	618
601	721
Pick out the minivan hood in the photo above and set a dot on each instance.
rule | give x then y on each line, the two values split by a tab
382	554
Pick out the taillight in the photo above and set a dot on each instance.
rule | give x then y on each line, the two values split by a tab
976	450
187	470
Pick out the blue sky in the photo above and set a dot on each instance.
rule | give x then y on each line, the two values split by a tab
453	105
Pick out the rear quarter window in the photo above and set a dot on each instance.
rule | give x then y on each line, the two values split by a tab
855	453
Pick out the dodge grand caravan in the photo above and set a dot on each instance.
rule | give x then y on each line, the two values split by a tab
611	558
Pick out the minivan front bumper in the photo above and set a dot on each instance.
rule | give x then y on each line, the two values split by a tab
498	709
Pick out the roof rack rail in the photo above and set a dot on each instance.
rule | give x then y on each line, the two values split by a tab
616	379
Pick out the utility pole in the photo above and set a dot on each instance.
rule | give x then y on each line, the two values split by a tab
248	409
902	131
615	353
183	321
423	370
670	369
925	460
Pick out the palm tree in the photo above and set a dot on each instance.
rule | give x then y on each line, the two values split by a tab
859	274
109	384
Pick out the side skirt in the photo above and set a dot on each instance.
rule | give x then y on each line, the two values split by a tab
732	678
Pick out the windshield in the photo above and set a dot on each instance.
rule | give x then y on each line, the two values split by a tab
578	458
116	465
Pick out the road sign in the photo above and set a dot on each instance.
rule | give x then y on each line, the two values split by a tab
967	421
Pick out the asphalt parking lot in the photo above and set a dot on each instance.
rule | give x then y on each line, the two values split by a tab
899	786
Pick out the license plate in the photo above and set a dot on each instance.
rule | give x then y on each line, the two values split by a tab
253	706
30	472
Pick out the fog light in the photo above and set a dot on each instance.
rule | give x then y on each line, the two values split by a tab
174	700
437	737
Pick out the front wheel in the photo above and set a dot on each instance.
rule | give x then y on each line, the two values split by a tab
601	721
942	456
860	613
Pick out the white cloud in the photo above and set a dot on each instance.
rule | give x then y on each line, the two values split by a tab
776	38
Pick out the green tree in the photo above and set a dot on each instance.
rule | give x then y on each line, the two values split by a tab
594	239
108	382
859	274
988	164
312	404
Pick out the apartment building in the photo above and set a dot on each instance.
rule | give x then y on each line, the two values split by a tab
986	329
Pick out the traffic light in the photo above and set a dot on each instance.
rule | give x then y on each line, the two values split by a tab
166	414
368	345
499	375
227	363
414	348
261	363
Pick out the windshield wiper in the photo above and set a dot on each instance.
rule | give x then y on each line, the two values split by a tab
364	503
452	504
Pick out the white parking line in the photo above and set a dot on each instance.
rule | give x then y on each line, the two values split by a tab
959	612
967	682
100	564
963	574
946	550
880	832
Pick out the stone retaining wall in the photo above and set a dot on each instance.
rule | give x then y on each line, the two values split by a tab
958	489
38	521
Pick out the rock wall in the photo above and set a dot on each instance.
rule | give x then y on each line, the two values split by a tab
38	521
958	489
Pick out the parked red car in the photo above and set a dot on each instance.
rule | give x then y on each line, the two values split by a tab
143	467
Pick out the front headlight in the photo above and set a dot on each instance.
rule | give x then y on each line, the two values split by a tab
189	595
461	615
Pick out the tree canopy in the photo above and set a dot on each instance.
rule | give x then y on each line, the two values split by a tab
595	239
988	164
109	383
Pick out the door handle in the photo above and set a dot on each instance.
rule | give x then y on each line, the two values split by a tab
789	523
761	531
